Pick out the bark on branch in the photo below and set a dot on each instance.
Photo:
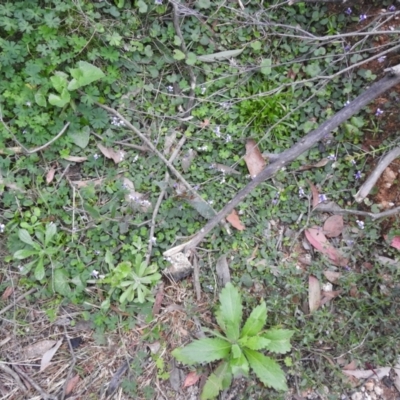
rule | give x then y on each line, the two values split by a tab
295	151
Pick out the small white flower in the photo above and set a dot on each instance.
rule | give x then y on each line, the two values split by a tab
217	131
2	227
202	148
96	156
347	103
122	155
203	89
170	88
28	103
322	198
228	139
135	158
301	192
153	240
332	157
97	252
360	224
95	274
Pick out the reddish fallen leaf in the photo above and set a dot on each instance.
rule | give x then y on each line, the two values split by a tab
395	242
158	300
315	194
191	379
314	293
7	293
333	226
50	175
205	123
351	366
327	296
319	164
254	160
354	291
116	156
317	238
71	384
234	220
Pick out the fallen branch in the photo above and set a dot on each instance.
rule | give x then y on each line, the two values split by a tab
367	186
304	144
335	209
11	305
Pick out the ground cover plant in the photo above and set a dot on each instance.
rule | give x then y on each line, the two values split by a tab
126	125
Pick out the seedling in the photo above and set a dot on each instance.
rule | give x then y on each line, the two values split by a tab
238	348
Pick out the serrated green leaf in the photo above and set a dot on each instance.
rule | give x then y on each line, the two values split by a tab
257	343
59	81
231	310
39	270
60	281
25	237
80	138
222	55
236	352
203	350
219	380
267	370
280	340
179	55
51	231
24	253
256	321
60	101
239	366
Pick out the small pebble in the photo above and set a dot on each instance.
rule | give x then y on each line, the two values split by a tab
357	396
370	386
378	390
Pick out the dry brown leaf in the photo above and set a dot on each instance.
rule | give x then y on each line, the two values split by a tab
368	373
187	159
317	238
50	175
333	226
38	349
7	293
328	296
350	366
254	160
332	276
319	164
94	182
159	299
47	357
314	293
233	219
71	384
75	158
191	379
116	156
315	194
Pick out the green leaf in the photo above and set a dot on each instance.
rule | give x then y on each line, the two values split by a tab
204	3
239	366
203	350
280	340
222	55
85	74
256	321
60	101
256	45
236	352
60	282
25	237
257	343
266	369
191	58
179	55
59	81
266	66
51	231
80	138
39	270
219	380
109	258
231	310
40	98
142	6
24	253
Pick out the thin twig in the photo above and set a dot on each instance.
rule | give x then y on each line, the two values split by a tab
5	309
15	376
337	210
44	394
71	368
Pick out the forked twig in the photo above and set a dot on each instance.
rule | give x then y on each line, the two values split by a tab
5	309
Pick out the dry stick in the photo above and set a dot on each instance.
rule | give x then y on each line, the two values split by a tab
23	149
367	186
17	300
45	395
291	154
17	380
335	209
71	368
